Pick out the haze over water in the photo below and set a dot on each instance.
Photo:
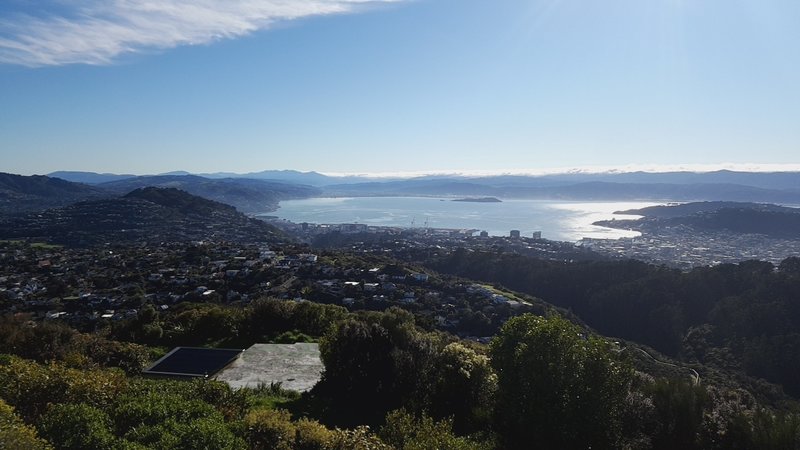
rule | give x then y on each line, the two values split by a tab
563	221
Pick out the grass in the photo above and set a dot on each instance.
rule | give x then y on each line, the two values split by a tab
271	396
506	294
45	246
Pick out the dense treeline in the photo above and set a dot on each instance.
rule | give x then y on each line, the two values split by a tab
544	382
742	316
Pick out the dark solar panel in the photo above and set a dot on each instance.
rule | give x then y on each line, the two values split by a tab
193	362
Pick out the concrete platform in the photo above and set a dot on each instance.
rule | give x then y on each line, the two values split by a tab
296	366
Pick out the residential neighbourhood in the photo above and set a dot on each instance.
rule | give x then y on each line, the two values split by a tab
90	288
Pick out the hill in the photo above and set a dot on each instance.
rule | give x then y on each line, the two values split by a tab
144	215
247	195
686	209
88	177
722	185
729	217
20	194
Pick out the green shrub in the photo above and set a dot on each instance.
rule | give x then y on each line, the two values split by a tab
15	434
360	438
77	426
208	433
153	409
311	435
406	432
270	429
30	386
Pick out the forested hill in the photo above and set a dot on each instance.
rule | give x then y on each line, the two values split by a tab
20	193
733	217
743	317
180	201
144	215
686	209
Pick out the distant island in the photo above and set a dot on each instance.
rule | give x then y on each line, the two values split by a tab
479	200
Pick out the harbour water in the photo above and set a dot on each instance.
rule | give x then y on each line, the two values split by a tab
565	221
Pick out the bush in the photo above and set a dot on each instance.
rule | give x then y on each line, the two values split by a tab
405	432
270	429
360	438
208	433
77	426
15	434
311	435
30	387
153	408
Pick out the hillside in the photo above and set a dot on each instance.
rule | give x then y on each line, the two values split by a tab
19	193
144	215
88	177
247	195
686	209
742	218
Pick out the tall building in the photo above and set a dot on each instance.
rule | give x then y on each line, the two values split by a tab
515	234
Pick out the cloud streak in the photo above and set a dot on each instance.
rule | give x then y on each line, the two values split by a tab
98	32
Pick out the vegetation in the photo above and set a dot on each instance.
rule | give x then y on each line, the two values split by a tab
741	317
545	380
557	387
543	383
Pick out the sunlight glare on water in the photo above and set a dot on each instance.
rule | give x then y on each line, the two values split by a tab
567	221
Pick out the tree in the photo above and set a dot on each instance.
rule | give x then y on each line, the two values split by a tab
359	367
557	387
679	410
463	387
376	363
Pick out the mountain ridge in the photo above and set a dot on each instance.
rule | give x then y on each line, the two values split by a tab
149	214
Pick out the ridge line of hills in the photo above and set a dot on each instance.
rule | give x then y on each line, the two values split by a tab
260	194
733	217
150	214
764	180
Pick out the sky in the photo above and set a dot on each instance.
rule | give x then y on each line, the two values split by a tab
414	86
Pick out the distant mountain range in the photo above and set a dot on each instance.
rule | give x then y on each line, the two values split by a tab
88	177
145	215
261	191
20	194
765	180
247	195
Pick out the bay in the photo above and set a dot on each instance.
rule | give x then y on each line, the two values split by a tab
563	221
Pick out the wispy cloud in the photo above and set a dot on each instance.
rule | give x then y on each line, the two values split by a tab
100	31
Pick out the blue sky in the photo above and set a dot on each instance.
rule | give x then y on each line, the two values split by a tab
139	86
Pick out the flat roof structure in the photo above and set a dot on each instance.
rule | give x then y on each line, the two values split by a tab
295	366
193	362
